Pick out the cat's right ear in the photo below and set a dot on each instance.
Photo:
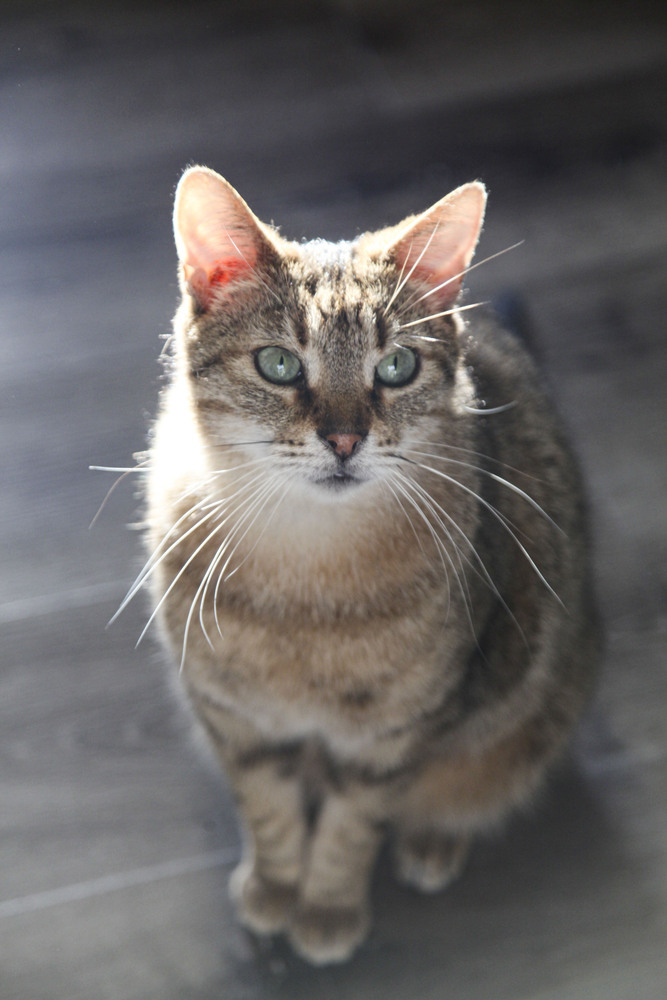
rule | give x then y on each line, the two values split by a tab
434	250
218	239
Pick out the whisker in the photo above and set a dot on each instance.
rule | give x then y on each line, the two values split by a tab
402	284
257	502
180	573
482	573
440	547
218	527
141	467
157	556
491	410
446	312
124	469
436	510
222	576
398	282
454	277
259	497
433	507
387	485
495	513
262	460
210	481
253	269
241	444
498	479
213	507
477	454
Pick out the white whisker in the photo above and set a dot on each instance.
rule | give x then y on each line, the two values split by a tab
240	444
482	572
491	410
123	469
222	575
157	556
212	508
200	486
405	280
388	486
477	454
498	516
436	510
440	546
461	274
398	286
175	580
438	315
256	499
141	467
253	269
498	479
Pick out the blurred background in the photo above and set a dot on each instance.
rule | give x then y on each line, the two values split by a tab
116	833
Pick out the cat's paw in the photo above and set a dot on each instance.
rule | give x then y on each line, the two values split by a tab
429	860
323	935
263	906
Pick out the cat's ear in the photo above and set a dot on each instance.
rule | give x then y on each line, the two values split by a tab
436	247
218	239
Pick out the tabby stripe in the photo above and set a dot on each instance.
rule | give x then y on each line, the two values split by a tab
381	331
365	774
262	754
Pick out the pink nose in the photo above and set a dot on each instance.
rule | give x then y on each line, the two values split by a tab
344	444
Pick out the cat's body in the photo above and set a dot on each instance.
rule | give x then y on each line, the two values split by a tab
378	594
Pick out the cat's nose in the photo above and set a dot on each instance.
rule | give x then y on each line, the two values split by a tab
344	444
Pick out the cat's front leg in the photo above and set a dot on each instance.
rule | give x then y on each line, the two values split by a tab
333	914
266	783
264	885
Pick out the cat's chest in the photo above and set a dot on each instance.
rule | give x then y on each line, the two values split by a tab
344	679
318	563
312	632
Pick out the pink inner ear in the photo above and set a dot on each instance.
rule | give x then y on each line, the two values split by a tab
223	272
438	246
217	236
441	279
219	275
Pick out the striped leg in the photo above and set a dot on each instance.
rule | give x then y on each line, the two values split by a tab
333	914
264	885
266	783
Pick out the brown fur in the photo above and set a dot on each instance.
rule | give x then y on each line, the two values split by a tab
397	632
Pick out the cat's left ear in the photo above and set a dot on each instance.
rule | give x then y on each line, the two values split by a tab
218	238
436	247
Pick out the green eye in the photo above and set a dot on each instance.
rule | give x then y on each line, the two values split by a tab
398	367
278	365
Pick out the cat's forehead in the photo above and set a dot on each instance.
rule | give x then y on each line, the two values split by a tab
340	296
337	276
321	255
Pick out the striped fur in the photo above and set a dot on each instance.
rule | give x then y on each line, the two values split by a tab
378	594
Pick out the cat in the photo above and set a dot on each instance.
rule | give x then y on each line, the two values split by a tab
368	554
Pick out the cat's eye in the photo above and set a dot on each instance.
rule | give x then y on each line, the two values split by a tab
278	365
398	367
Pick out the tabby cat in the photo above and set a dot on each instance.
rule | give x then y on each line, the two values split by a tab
368	554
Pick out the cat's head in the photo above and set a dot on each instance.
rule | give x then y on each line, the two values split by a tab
330	354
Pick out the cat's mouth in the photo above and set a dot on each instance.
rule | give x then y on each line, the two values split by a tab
339	481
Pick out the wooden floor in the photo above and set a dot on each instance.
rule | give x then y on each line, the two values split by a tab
116	834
